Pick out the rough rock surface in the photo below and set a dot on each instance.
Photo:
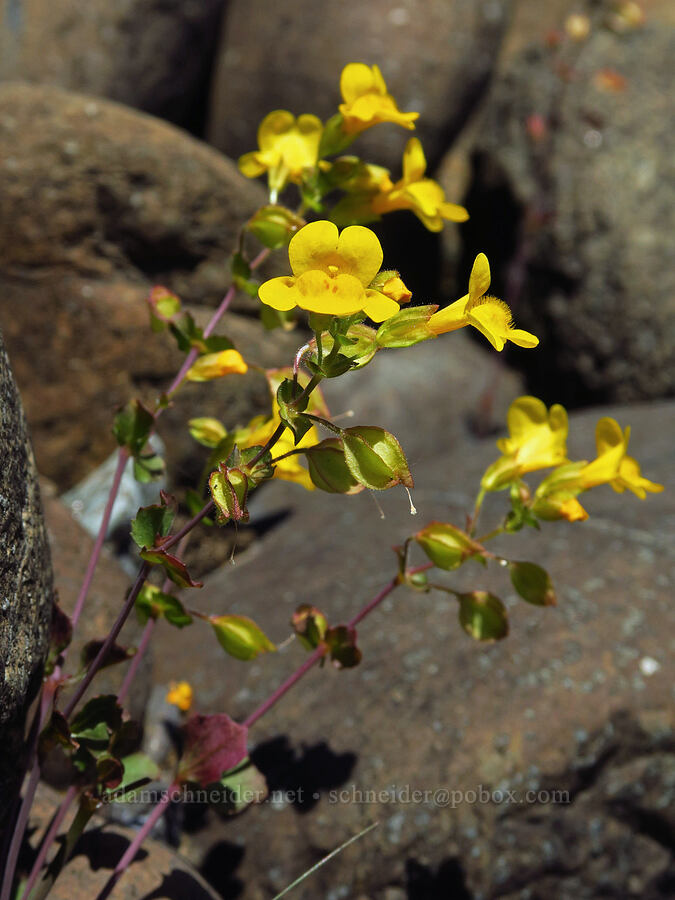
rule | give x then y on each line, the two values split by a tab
154	55
290	57
25	582
100	202
156	872
578	698
577	220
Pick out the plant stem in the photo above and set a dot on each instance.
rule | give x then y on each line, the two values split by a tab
315	657
134	846
279	430
48	839
122	459
136	660
109	641
187	528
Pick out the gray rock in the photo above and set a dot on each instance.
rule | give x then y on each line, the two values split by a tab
290	57
25	584
153	55
588	209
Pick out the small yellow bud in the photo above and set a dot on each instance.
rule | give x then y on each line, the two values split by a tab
180	695
215	365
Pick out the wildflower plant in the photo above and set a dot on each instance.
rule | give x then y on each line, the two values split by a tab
334	282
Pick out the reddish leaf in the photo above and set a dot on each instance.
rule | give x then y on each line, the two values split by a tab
211	745
174	567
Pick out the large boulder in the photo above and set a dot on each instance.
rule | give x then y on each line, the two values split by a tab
436	62
25	584
572	199
577	699
155	56
98	203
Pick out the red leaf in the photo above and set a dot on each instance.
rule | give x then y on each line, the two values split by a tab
211	745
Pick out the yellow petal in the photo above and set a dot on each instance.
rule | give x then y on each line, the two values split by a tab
274	124
631	478
340	296
215	365
313	247
379	307
358	79
360	252
414	161
451	318
454	213
525	414
279	293
479	280
250	165
523	338
492	317
395	289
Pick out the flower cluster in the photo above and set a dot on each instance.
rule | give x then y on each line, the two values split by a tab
538	440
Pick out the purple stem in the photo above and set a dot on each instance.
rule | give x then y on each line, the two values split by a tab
136	660
109	641
122	459
315	657
143	832
48	839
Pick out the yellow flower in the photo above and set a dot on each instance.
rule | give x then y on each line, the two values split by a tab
207	431
492	317
366	100
180	695
537	440
611	466
288	148
215	365
331	274
630	478
424	196
396	290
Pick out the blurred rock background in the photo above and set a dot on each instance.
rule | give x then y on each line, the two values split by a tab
550	123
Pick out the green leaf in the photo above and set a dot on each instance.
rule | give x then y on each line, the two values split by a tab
174	568
532	583
242	786
97	719
275	318
291	407
447	546
165	307
132	426
333	138
407	327
148	468
240	636
151	523
152	603
138	769
375	458
483	616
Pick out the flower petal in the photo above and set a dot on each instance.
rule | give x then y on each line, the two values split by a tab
360	252
339	296
250	165
479	280
453	213
313	247
358	79
279	293
414	161
379	307
276	123
523	338
451	318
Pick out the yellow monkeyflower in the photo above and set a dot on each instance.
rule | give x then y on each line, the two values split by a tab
180	695
424	196
611	466
288	148
331	274
492	317
630	478
537	440
215	365
367	101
